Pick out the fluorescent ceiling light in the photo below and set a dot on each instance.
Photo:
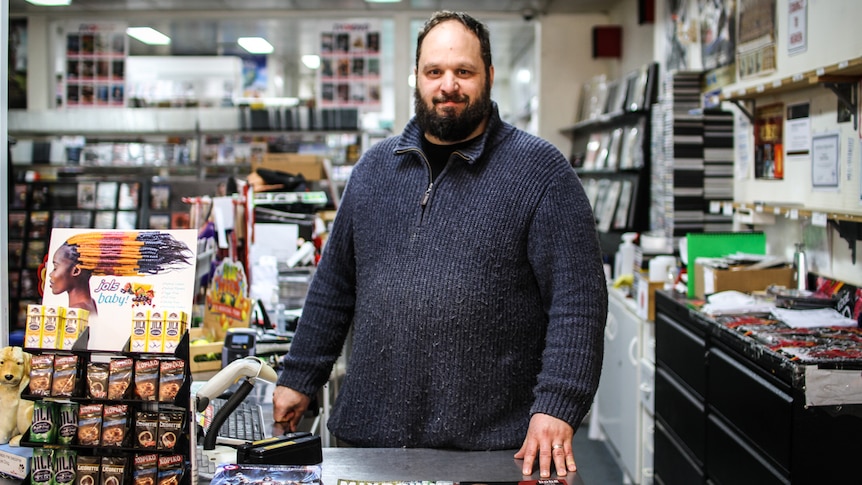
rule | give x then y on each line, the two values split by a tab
255	45
382	1
311	61
50	3
148	35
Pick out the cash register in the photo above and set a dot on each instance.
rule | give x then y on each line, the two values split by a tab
289	449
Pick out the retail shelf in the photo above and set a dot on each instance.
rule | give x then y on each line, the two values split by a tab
799	212
842	71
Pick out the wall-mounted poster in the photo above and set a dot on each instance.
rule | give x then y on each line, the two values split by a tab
95	73
109	273
682	50
349	73
755	54
717	32
17	64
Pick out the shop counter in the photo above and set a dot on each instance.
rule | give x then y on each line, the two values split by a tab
414	464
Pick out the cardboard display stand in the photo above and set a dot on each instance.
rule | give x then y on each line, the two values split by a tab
227	302
115	273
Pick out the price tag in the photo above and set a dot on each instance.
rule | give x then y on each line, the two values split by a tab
821	71
797	77
818	219
728	209
776	210
758	208
843	64
760	88
776	84
715	206
741	92
793	214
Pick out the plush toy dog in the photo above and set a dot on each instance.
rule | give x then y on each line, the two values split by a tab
15	413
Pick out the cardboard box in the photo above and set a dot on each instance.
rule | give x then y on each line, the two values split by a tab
196	350
309	166
646	295
15	461
710	279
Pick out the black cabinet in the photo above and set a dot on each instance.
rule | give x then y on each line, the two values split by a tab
729	411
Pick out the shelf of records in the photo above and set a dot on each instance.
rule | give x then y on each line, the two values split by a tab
613	200
605	101
612	149
181	154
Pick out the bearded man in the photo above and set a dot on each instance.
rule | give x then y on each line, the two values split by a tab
465	258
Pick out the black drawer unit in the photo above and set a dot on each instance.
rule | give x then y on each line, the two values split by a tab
682	351
731	411
683	412
757	404
733	461
674	463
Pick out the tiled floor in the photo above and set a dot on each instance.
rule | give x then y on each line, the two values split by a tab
596	466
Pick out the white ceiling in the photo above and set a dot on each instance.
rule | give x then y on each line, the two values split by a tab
341	6
209	27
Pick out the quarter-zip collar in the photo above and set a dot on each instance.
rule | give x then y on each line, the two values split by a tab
410	139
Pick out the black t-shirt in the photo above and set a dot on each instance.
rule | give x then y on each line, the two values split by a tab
438	155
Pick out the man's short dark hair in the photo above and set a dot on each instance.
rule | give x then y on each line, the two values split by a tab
473	25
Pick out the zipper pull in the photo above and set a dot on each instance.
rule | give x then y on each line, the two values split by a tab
427	195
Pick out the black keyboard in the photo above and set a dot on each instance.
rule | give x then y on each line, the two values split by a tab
245	424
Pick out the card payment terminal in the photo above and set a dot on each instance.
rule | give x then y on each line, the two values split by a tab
238	343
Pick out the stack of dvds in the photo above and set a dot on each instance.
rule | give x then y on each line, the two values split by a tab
718	169
677	178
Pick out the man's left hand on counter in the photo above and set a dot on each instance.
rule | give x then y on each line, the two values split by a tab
550	439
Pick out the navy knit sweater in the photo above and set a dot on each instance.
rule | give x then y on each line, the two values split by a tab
476	300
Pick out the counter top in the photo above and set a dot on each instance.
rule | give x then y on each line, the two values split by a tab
414	464
783	351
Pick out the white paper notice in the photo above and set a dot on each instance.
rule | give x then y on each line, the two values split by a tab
824	160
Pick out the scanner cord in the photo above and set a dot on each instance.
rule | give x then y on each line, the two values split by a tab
229	407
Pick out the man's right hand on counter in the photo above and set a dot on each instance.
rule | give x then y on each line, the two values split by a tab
288	406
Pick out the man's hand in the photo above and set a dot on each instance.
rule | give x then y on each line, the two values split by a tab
550	439
288	406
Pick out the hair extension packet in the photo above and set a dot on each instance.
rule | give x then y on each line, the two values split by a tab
67	422
65	375
44	425
88	470
147	379
145	469
114	424
41	374
97	379
119	378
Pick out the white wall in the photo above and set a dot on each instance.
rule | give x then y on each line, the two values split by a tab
637	39
565	63
833	37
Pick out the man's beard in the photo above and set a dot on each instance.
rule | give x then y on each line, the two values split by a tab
451	127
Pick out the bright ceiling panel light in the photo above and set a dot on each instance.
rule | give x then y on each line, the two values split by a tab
148	35
311	61
255	45
50	3
382	1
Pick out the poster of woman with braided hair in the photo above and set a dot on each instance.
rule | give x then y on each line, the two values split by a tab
112	273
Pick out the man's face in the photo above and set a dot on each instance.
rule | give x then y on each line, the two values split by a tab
453	93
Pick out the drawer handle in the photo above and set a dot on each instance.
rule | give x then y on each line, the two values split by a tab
632	349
